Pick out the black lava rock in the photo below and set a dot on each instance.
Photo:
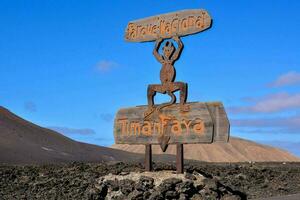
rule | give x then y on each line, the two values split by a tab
190	176
156	195
171	195
172	181
145	183
186	187
97	193
126	186
113	185
168	185
136	195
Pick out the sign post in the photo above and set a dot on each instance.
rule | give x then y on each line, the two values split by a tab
170	123
179	158
148	157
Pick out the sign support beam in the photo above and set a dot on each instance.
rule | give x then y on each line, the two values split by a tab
148	157
179	159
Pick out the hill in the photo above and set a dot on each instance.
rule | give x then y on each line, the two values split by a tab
22	142
237	150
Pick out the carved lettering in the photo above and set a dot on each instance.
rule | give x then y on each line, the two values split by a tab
135	128
187	124
123	123
174	26
199	126
146	129
184	25
176	127
157	128
165	26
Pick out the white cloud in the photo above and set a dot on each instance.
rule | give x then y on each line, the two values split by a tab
289	124
293	147
271	103
30	106
72	131
290	78
106	65
106	117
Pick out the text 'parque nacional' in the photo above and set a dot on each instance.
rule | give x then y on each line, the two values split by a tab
180	23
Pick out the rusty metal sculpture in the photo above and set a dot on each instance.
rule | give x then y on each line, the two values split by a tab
167	86
167	77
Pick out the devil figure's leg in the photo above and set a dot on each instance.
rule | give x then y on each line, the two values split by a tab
150	96
152	89
182	87
183	93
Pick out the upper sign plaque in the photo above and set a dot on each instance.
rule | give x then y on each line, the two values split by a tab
179	23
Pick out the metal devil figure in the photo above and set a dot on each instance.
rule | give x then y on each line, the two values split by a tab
170	123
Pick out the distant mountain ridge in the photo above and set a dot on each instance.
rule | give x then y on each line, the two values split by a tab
237	150
22	142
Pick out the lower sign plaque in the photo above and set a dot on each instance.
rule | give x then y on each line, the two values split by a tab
204	123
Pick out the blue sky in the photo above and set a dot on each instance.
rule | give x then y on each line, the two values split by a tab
65	64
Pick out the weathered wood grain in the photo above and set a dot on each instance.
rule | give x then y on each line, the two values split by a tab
179	23
204	123
220	120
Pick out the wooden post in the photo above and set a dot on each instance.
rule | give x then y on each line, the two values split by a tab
148	157
179	159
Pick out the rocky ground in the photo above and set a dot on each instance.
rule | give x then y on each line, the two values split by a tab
129	181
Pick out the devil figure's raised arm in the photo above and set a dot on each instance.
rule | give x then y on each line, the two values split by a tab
179	49
155	50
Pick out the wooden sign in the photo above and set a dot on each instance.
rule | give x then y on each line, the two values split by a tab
204	123
179	23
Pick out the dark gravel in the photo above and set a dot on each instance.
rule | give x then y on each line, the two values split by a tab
78	181
257	180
